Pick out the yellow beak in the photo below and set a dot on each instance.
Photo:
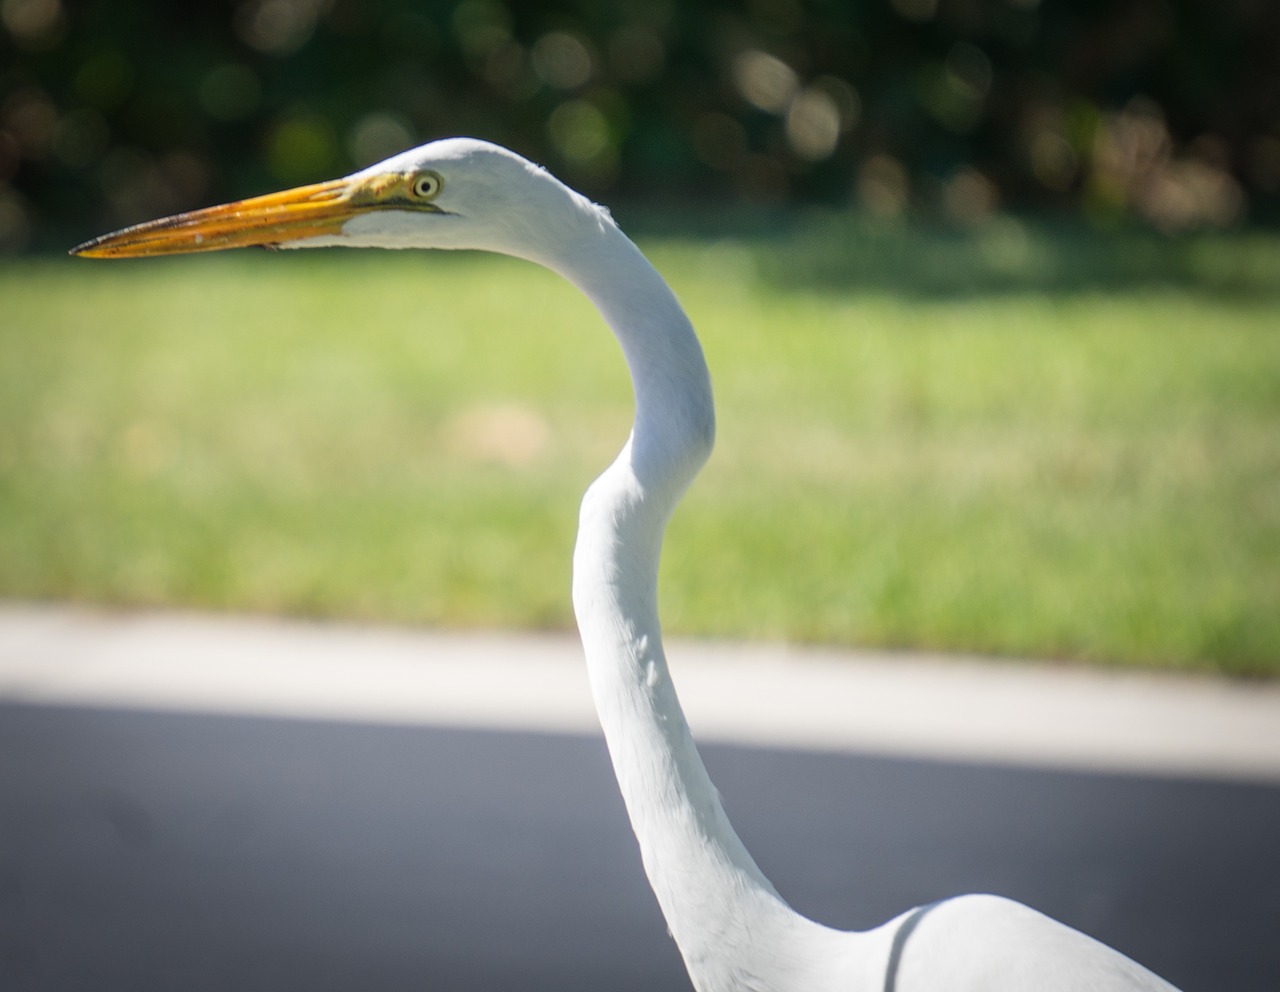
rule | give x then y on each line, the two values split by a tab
305	212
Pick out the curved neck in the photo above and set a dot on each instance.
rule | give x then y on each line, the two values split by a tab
733	929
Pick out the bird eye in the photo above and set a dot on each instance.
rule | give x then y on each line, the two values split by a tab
426	186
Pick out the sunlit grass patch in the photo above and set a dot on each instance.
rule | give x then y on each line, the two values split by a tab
1086	472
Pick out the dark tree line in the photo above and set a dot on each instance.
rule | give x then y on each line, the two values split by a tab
1165	112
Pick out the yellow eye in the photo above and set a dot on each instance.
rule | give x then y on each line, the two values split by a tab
426	186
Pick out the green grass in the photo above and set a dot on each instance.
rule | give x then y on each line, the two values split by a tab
1087	467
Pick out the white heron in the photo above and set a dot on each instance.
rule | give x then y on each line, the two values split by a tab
733	929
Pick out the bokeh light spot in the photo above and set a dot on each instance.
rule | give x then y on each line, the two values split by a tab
481	26
301	149
764	81
378	136
1053	161
969	197
278	27
562	60
33	24
31	117
579	130
813	125
883	186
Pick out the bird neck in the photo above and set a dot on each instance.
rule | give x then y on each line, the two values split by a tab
732	927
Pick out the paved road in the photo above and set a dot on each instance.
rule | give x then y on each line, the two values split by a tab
171	849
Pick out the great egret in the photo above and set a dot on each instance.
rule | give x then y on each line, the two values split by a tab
733	929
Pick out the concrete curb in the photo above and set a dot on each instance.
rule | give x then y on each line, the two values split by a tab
933	707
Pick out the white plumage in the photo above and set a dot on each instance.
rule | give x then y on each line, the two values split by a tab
733	929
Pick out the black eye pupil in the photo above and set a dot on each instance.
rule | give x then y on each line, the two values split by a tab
426	186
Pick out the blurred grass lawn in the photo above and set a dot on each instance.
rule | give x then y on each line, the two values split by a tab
1084	469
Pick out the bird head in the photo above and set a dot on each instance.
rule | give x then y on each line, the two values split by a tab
454	193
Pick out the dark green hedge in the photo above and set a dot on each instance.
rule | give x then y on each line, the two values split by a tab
1167	111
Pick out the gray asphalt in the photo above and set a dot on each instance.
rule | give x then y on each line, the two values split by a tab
144	848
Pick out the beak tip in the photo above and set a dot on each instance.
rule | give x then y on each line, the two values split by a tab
86	249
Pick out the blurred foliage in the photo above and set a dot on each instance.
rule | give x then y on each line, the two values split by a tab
1165	111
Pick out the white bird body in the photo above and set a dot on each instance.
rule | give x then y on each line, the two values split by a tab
733	929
